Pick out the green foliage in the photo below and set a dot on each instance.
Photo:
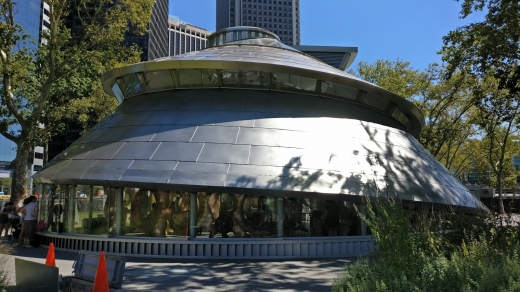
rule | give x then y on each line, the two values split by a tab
446	105
420	250
60	79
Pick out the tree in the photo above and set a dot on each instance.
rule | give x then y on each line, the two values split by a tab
490	51
446	105
499	112
39	86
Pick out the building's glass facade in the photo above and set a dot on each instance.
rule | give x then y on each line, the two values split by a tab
153	44
280	17
28	15
98	210
185	38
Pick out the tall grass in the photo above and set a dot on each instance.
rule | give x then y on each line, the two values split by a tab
435	251
5	249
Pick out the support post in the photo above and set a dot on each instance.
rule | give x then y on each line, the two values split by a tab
193	215
119	210
279	216
90	207
71	195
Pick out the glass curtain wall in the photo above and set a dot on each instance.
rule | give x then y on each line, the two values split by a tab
99	210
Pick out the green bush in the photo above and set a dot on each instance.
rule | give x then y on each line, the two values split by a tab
435	251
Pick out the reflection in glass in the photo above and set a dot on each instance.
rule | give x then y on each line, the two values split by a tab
155	213
375	102
402	118
156	80
293	82
130	85
109	209
244	78
311	217
338	90
232	215
196	77
93	210
117	92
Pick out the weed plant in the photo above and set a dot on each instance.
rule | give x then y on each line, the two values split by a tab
5	249
427	250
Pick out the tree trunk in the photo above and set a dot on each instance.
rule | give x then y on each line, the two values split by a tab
500	196
19	182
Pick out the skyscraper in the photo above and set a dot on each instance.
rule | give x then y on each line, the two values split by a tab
154	44
32	16
280	17
185	37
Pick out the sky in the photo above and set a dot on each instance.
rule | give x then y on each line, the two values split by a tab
411	30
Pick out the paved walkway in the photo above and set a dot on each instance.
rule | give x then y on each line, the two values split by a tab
189	275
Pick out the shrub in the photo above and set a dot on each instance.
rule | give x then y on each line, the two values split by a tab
434	251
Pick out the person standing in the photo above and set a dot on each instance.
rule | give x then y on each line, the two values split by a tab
31	217
5	223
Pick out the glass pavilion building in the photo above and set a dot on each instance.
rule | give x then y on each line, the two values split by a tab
246	149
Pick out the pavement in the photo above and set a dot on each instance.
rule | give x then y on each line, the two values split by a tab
151	274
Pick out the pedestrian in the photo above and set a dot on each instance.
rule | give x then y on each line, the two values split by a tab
5	223
31	216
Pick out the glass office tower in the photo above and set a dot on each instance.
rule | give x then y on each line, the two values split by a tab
280	17
29	14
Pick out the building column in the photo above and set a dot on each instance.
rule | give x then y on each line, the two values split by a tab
90	207
279	216
119	210
71	194
193	215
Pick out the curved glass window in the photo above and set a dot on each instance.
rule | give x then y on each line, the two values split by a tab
244	78
97	210
292	82
335	89
186	78
117	92
238	34
400	116
375	102
130	85
156	80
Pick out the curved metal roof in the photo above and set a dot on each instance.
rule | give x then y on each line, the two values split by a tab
256	119
255	142
269	57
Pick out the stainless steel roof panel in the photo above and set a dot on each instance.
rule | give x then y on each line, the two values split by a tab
164	117
136	118
153	165
140	133
216	134
195	102
228	103
331	157
112	164
188	167
104	150
175	133
198	117
111	135
236	118
136	150
178	151
224	153
197	178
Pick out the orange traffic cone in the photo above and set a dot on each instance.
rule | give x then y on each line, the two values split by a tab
51	259
101	280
